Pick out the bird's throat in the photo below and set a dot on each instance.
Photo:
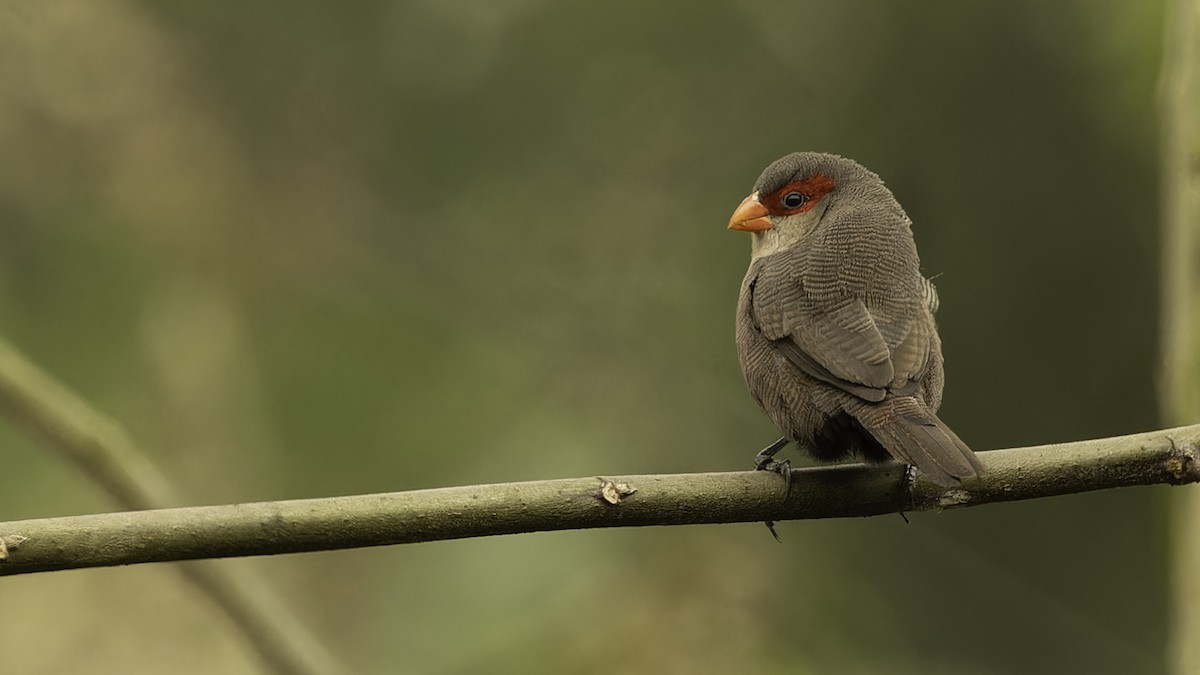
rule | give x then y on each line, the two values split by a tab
774	240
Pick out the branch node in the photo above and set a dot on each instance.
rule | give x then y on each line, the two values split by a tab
612	492
952	498
1181	465
10	543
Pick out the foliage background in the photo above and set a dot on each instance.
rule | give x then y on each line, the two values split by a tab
318	248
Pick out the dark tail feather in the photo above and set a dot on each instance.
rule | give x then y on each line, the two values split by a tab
914	435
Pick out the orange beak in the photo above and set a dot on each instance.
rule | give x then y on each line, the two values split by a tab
750	216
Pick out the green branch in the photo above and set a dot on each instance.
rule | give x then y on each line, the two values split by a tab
677	499
1179	376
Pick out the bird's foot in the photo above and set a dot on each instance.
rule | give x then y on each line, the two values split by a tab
909	481
768	463
765	461
783	467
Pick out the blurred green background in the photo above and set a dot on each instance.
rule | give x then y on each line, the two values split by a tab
319	248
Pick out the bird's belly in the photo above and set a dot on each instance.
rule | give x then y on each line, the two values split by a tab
806	410
781	390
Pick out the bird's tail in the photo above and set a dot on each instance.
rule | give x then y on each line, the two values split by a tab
912	434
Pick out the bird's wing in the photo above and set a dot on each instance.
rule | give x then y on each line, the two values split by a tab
864	351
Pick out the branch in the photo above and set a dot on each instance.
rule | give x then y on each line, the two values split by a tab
267	528
1179	125
51	412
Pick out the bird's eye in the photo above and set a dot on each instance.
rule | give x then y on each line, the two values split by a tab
794	200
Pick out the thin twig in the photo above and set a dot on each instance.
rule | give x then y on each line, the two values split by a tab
1179	386
266	528
51	412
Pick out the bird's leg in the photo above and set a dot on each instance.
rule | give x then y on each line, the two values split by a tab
765	461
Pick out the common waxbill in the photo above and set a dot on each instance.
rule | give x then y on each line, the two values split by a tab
835	330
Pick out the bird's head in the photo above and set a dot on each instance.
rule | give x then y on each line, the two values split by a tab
792	195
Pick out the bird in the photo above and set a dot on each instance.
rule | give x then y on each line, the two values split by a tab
835	332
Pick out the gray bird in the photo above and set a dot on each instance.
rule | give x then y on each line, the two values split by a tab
835	330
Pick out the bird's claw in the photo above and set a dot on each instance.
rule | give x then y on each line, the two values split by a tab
783	467
765	461
908	483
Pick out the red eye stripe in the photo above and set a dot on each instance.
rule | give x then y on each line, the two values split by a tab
813	189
